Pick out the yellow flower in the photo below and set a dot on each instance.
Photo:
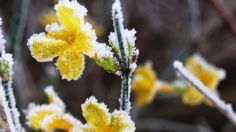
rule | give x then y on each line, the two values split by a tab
53	117
36	114
144	84
63	122
207	73
68	40
100	120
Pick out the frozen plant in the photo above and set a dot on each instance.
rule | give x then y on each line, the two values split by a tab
52	116
11	113
72	38
123	43
225	108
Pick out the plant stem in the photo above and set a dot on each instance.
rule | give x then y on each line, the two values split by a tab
225	108
4	120
125	94
126	75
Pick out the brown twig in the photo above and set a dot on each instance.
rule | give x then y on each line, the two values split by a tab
226	15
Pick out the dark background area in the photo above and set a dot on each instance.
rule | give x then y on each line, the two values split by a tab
166	30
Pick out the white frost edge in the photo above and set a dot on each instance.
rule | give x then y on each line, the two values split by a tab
87	28
78	9
68	117
225	108
102	50
116	7
16	115
93	100
2	40
33	109
7	110
53	27
127	119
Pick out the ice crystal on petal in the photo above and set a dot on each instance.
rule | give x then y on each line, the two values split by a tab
2	40
63	122
36	114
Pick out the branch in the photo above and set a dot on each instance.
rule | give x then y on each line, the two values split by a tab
225	108
4	110
126	76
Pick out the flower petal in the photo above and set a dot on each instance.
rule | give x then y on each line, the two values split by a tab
70	64
44	48
96	114
84	43
121	122
70	13
36	114
191	96
60	122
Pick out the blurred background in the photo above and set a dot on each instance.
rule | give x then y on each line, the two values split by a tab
166	30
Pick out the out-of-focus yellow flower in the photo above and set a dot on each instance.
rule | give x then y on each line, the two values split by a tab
100	120
205	72
68	40
144	84
47	17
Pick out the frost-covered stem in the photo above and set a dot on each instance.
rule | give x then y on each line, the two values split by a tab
126	76
225	108
125	93
4	111
8	96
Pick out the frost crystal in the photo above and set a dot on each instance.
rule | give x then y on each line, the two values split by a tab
10	95
119	37
7	94
225	108
2	40
126	37
78	9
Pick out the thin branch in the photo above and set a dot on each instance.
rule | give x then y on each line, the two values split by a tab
126	76
227	16
225	108
4	110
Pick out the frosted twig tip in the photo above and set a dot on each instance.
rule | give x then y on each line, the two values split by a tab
177	64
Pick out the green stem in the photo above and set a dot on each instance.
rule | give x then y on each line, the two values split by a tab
125	93
126	76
